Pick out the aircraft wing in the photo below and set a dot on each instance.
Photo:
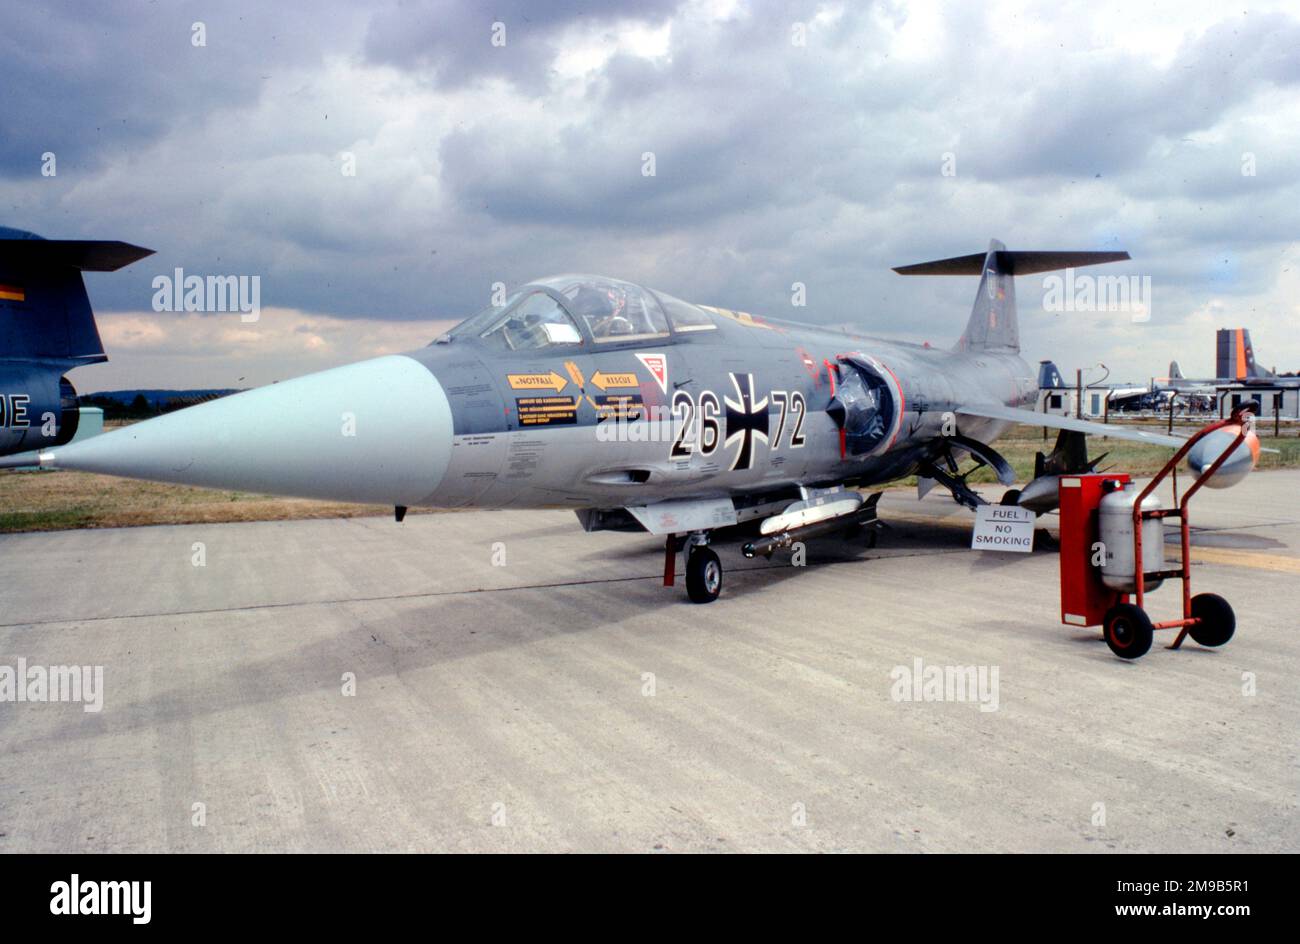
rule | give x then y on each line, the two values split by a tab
1034	418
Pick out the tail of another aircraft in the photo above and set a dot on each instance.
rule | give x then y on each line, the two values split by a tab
44	310
1175	372
1049	376
1235	355
993	324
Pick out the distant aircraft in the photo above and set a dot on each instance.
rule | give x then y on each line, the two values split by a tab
640	412
46	329
1053	390
1234	363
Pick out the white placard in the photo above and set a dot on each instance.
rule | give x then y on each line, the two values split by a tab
1003	528
681	515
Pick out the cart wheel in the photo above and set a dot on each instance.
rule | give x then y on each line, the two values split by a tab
703	575
1218	622
1128	631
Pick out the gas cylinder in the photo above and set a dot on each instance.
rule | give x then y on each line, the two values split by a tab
1115	527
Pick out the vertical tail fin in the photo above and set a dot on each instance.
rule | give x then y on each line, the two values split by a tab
41	286
1235	356
1252	368
993	324
1175	372
1049	376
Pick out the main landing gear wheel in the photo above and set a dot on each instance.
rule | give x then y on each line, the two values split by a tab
703	575
1128	631
1217	621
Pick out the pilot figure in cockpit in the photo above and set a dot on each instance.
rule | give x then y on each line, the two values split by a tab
605	309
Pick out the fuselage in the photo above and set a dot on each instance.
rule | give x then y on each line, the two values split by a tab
584	393
737	409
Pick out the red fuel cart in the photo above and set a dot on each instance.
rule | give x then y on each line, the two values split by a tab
1112	554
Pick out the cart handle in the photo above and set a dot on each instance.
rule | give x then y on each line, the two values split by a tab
1239	416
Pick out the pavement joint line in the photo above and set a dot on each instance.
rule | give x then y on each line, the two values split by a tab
433	594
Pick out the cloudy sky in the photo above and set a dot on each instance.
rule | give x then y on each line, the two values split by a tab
819	143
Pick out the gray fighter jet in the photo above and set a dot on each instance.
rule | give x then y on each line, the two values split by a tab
639	411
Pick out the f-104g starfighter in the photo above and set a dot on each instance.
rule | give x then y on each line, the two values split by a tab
639	411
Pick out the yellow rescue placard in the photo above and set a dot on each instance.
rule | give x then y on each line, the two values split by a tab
604	381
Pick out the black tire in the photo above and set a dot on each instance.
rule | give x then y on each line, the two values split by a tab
1218	622
1010	497
1128	631
703	575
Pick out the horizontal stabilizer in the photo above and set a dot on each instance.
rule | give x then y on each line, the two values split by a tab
89	255
1033	418
1012	262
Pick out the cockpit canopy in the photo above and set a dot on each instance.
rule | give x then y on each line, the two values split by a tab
572	310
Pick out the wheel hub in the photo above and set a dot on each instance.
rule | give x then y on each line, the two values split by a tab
712	577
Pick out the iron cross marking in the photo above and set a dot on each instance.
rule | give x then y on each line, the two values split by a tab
747	420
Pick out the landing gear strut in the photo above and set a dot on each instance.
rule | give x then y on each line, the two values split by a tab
944	469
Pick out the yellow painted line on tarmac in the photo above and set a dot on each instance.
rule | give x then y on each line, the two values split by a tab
942	521
1234	557
1238	558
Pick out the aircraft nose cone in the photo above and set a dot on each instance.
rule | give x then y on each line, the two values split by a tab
378	431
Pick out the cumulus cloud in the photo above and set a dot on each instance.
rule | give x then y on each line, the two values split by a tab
187	350
775	161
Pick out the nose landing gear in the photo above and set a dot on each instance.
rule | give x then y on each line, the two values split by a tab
703	568
703	574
